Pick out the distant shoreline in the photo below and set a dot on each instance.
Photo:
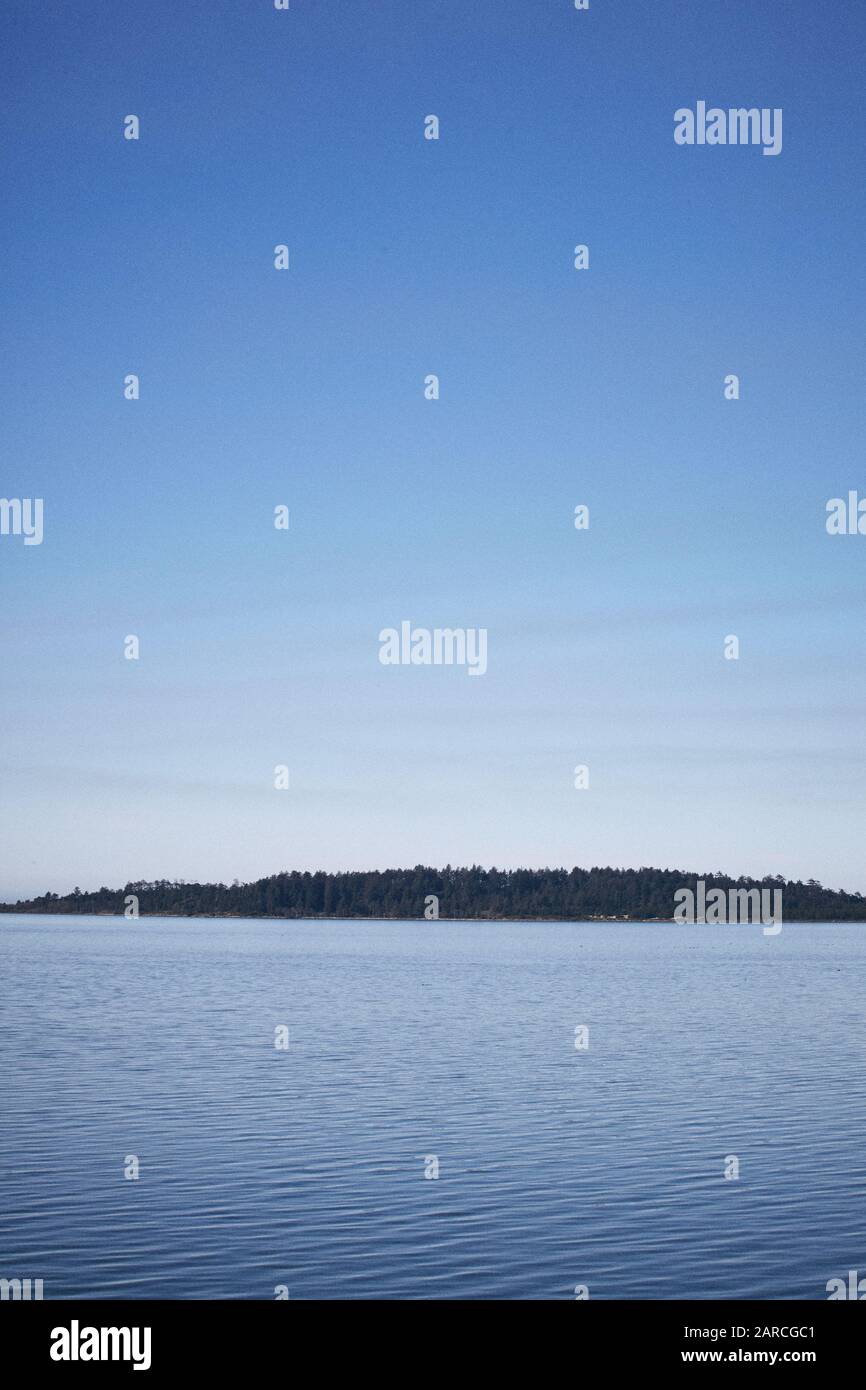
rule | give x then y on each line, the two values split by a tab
467	894
415	921
316	917
6	910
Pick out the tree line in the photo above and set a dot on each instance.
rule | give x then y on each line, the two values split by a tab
486	894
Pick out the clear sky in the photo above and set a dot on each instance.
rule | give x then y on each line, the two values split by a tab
305	387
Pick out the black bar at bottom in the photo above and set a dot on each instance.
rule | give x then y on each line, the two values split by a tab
164	1339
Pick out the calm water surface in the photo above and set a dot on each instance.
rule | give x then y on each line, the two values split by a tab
305	1167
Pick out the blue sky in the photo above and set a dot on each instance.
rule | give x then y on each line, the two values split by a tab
558	387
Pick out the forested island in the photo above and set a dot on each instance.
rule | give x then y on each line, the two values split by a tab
472	893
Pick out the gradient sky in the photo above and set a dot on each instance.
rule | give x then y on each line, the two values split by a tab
305	387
